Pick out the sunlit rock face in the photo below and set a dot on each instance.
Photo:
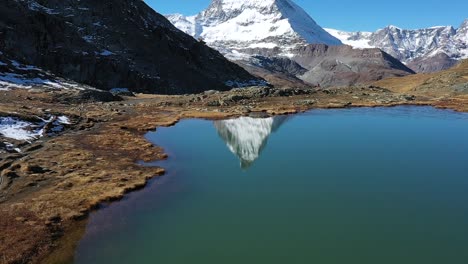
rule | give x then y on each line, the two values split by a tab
246	137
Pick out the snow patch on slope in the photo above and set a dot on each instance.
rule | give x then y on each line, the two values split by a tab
13	80
14	75
21	130
358	40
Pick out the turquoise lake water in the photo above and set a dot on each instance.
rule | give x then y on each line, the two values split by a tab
368	185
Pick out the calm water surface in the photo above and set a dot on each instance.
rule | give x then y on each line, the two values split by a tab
382	185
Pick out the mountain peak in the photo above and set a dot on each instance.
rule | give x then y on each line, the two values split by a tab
242	26
392	27
462	35
464	25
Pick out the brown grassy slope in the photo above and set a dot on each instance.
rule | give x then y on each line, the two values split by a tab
439	83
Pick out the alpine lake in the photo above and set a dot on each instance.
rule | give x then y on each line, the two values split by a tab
363	185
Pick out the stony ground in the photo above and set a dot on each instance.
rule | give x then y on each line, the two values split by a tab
51	186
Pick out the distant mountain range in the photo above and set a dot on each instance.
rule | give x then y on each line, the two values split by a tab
423	50
279	41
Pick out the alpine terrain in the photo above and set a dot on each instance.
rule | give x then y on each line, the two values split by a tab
268	38
90	91
423	50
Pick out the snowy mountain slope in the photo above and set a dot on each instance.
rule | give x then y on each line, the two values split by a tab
419	48
358	40
239	27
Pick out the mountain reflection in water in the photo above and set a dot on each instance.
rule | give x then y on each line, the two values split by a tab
246	137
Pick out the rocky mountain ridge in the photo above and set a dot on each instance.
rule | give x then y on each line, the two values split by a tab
423	50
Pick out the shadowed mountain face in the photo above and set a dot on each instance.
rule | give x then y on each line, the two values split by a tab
345	66
113	43
246	137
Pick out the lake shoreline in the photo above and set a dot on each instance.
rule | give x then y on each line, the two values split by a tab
95	160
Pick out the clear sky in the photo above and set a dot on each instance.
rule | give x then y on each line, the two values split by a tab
365	15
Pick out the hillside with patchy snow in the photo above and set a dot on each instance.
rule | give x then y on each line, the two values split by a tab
423	50
15	75
111	44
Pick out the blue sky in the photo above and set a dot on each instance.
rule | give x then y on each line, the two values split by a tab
349	15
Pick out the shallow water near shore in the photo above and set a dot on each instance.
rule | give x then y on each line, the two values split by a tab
366	185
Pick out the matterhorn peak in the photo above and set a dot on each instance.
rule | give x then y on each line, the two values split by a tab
246	27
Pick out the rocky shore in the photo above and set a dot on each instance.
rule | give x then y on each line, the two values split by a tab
48	186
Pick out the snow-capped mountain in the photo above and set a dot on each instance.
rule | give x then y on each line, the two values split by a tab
423	50
269	37
239	27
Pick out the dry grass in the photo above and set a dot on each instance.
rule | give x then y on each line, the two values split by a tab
403	84
434	83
